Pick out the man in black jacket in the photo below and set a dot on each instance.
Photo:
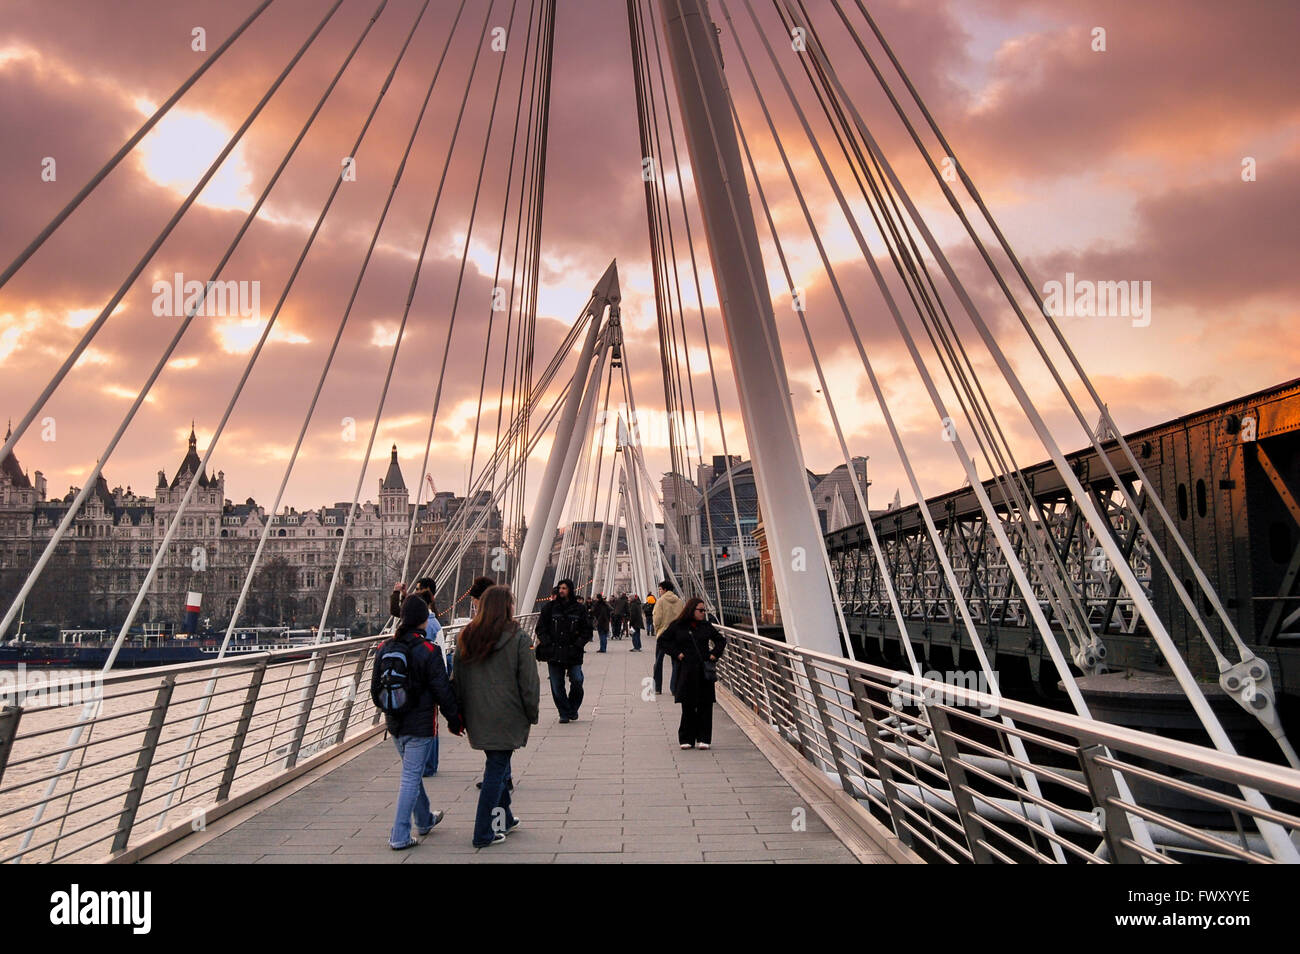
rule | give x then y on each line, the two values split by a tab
618	615
563	631
412	728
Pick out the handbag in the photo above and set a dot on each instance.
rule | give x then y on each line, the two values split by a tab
710	665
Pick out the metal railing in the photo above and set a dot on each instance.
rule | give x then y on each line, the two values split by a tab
936	764
91	766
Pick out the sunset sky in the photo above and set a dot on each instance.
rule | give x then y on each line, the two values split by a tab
1117	165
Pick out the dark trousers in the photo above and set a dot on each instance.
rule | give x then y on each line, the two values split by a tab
660	652
566	703
636	639
494	813
697	722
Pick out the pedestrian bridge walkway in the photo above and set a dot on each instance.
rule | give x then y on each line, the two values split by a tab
613	787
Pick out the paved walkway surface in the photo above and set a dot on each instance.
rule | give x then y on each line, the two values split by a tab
612	787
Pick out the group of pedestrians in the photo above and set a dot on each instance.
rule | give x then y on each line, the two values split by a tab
492	696
615	618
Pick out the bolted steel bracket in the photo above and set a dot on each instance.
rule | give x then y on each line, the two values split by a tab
1250	683
1091	657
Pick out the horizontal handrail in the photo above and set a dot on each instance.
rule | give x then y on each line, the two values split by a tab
169	751
880	731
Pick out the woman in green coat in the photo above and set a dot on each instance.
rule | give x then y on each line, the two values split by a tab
497	689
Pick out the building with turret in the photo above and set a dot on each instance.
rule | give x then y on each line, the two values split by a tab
99	567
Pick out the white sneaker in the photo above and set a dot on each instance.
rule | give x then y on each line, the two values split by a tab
686	745
704	745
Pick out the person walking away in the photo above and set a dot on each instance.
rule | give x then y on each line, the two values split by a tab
666	609
563	630
408	681
600	616
498	691
635	621
697	647
424	588
618	615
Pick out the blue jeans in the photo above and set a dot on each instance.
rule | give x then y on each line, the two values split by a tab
411	799
636	639
566	703
431	763
604	636
494	813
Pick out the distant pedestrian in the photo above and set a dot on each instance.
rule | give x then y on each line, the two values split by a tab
480	586
408	681
476	590
635	621
618	615
498	690
563	631
600	617
697	647
666	609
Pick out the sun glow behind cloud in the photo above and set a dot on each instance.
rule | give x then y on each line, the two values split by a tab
178	151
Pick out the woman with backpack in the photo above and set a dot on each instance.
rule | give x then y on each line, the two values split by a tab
497	688
408	682
697	647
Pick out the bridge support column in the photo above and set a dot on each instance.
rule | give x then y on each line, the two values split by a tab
804	592
559	471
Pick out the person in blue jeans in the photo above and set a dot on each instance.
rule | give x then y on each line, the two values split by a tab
424	588
412	725
563	631
566	704
498	690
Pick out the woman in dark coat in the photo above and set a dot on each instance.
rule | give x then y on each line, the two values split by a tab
692	641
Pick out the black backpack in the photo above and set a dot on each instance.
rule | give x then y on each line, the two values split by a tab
398	692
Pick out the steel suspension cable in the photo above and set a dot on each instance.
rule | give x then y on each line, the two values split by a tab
200	718
907	261
89	483
121	154
347	312
144	260
713	378
92	708
1109	421
886	577
1274	835
410	297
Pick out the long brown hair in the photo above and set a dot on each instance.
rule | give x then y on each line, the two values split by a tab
481	635
687	615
